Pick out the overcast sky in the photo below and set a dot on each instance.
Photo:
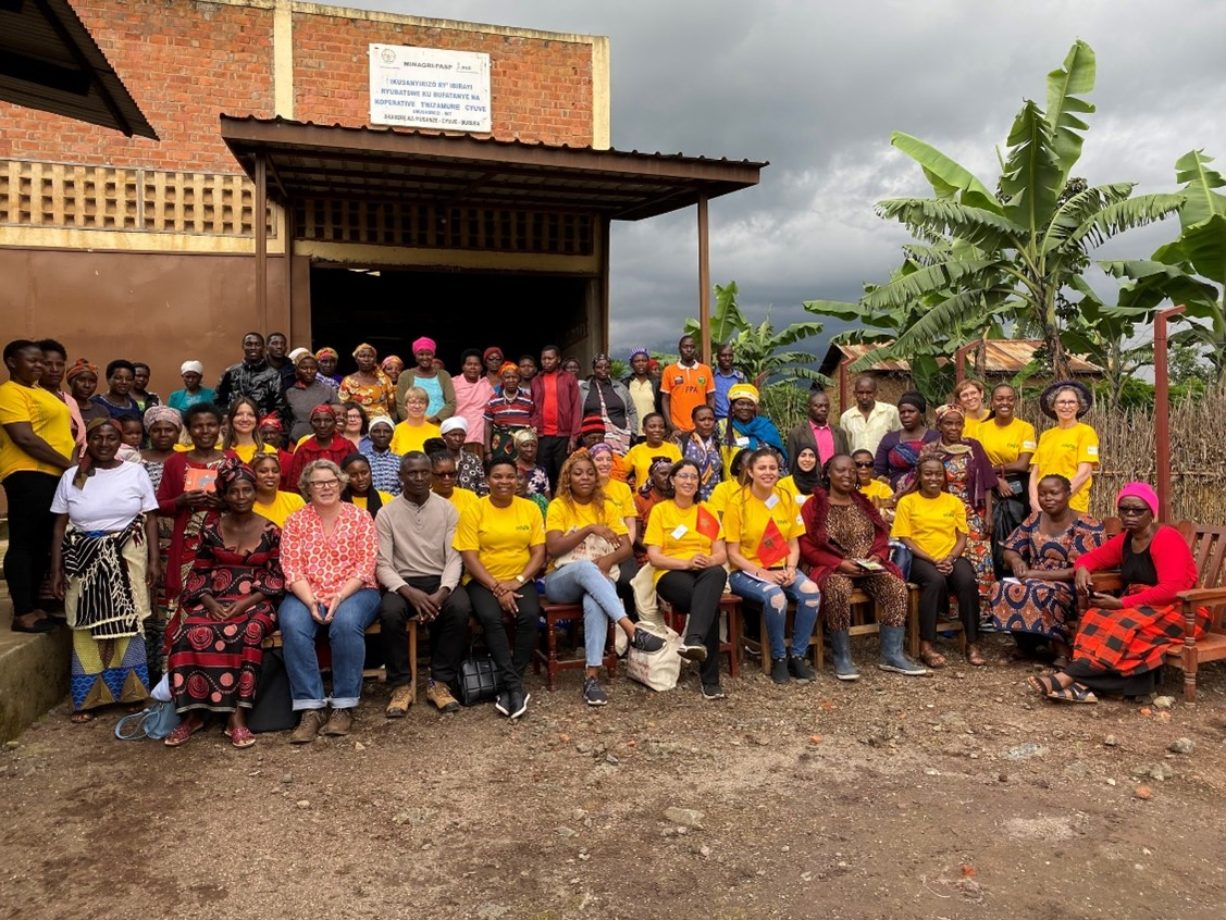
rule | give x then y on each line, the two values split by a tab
816	88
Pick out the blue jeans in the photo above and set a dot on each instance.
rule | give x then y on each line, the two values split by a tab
347	636
583	581
774	601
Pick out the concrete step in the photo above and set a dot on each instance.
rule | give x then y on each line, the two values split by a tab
33	673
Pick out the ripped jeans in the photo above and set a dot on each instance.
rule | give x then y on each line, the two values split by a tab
774	601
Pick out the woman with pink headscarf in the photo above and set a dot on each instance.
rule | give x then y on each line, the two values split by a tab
427	375
1122	641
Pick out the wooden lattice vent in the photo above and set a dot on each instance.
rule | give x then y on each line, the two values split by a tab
72	196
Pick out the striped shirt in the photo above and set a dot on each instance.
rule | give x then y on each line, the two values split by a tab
509	413
384	467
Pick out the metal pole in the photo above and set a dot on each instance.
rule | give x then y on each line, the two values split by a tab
1162	411
261	242
704	280
844	384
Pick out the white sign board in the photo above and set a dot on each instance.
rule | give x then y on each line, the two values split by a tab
429	88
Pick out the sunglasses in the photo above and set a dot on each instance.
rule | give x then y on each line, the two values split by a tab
864	464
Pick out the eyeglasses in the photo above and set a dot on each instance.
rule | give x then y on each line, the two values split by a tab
864	464
324	483
445	475
1131	510
686	477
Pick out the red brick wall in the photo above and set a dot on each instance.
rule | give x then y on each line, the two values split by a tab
186	61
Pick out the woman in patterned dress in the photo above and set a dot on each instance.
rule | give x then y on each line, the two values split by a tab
163	425
1038	603
702	446
368	386
226	612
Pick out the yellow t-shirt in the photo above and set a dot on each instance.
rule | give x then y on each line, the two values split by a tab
359	501
721	495
1060	450
746	516
788	484
46	415
503	538
932	523
878	490
1005	443
675	531
564	516
280	508
462	499
638	459
970	428
619	494
408	437
246	452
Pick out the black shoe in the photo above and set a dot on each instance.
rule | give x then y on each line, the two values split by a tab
645	641
593	693
45	625
801	670
693	650
779	671
502	702
519	703
713	692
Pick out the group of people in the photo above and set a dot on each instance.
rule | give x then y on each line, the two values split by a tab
180	535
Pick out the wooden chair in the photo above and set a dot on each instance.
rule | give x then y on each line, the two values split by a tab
571	615
761	647
730	608
273	640
945	622
864	621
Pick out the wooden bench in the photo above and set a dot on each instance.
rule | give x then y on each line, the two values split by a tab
730	609
556	615
862	625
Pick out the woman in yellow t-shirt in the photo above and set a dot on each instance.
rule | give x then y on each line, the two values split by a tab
360	490
970	396
932	523
729	487
242	431
638	459
584	525
762	527
685	544
1070	449
502	542
414	431
445	472
270	501
880	494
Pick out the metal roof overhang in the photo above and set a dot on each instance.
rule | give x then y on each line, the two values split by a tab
305	160
50	62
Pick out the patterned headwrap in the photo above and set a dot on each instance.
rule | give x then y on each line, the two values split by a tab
392	361
322	408
656	464
524	436
600	447
492	350
941	411
639	351
271	420
327	352
231	470
508	366
744	391
80	367
366	345
424	343
155	414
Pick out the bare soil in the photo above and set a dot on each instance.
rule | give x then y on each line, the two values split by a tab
956	796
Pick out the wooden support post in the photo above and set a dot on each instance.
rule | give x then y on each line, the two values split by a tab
261	242
1162	411
704	281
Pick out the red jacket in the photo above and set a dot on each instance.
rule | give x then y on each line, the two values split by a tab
570	409
1172	561
311	450
823	557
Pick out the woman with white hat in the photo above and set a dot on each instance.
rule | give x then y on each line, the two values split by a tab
469	472
192	373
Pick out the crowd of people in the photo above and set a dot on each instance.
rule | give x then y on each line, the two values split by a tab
180	535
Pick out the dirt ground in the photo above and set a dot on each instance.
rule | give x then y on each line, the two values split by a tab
956	796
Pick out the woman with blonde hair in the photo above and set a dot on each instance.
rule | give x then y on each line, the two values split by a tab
969	396
412	433
1070	448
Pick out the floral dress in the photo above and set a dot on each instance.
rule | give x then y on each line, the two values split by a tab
710	462
978	546
378	398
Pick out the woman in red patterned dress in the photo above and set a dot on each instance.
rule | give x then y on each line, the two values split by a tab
225	613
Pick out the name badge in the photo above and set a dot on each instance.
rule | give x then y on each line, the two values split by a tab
772	501
742	442
679	531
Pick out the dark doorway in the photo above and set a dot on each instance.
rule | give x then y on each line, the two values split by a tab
389	308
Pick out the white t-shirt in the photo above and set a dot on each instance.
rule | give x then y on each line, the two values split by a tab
109	500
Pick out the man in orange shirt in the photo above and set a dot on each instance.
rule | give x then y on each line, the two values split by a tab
685	385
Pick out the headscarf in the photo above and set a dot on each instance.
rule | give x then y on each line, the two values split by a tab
271	420
646	487
231	470
322	407
394	361
913	399
592	423
424	343
639	351
523	436
155	414
961	447
80	367
192	367
298	354
366	345
600	447
85	467
744	391
759	430
327	352
381	420
373	500
1141	490
455	423
806	482
492	350
507	366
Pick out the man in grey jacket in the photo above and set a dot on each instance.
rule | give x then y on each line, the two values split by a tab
816	432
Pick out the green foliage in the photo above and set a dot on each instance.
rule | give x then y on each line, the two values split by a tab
785	404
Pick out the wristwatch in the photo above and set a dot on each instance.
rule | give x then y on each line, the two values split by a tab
520	579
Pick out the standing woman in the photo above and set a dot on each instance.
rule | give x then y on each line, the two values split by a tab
970	396
1070	449
932	524
226	612
410	434
306	392
104	559
324	444
328	551
899	451
1008	443
745	429
846	545
140	386
117	400
188	492
644	389
472	394
163	426
355	424
270	501
508	411
192	373
36	446
502	542
653	447
360	489
328	359
368	386
762	526
440	390
685	545
601	395
492	359
243	438
393	366
702	447
82	380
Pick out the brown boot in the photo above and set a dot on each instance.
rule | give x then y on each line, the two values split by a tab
402	699
339	722
308	727
438	694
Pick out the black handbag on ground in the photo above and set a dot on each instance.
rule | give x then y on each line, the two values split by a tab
274	708
479	680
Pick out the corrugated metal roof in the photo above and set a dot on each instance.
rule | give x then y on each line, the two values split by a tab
49	61
1001	356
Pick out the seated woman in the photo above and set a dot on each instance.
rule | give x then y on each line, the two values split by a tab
745	429
702	446
845	546
360	490
444	473
622	497
804	478
104	558
226	610
762	526
328	551
1121	641
654	491
899	451
1037	604
729	487
270	501
413	432
653	447
685	545
876	491
502	542
932	524
586	539
523	449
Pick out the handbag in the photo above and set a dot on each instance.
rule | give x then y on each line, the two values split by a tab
274	706
660	669
479	680
156	722
591	549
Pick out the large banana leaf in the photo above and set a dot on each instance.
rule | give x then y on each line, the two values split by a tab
1080	207
966	308
1125	215
1199	180
1032	177
1204	244
947	177
985	229
1064	107
943	276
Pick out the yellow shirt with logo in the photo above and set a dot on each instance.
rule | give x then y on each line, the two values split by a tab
876	489
788	484
502	538
1005	443
280	508
638	459
746	516
620	494
406	437
463	499
1059	452
46	414
565	516
675	531
933	524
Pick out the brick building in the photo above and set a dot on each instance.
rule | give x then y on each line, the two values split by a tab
153	250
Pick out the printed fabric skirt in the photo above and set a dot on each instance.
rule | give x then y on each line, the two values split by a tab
1133	640
1034	606
215	664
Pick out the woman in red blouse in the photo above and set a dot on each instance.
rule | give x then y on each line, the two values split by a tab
324	444
328	551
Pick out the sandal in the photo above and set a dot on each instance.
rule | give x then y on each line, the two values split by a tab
181	732
1060	662
81	716
1043	685
932	659
240	737
975	657
1073	693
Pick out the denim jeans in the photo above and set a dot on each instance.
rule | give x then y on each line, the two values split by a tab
774	601
583	581
347	636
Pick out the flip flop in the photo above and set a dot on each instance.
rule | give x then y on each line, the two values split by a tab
80	717
934	660
1073	693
